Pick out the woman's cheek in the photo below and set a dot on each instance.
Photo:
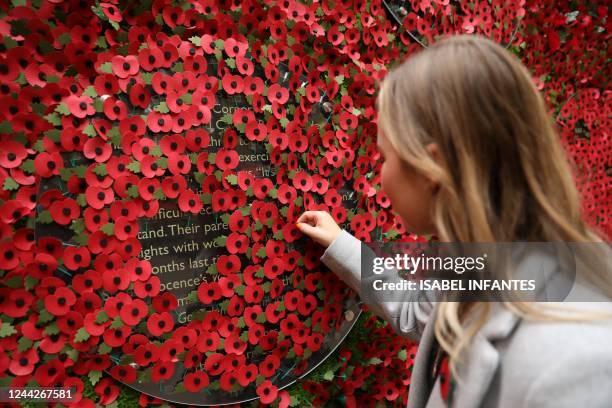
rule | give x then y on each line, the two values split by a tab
388	184
383	179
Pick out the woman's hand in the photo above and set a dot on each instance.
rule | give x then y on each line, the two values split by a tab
319	225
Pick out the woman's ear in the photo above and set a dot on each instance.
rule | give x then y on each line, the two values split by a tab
434	151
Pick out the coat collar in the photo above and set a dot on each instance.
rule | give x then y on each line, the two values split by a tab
420	383
481	357
483	360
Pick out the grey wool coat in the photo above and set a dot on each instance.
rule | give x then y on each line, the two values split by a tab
511	362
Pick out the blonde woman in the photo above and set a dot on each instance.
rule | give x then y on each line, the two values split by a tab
470	155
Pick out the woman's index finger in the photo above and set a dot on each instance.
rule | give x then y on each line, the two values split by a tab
307	216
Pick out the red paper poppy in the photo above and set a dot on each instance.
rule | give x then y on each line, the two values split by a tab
114	280
140	96
99	242
162	370
42	265
237	243
76	257
106	84
22	363
11	154
278	139
253	294
64	211
307	305
98	197
276	288
8	256
173	16
18	304
207	41
88	281
169	55
261	188
269	365
183	82
133	312
147	189
273	267
165	302
111	11
176	101
150	58
245	67
48	373
194	382
179	164
144	284
96	148
228	264
267	392
242	117
278	94
234	48
204	99
273	315
290	232
158	122
107	391
196	64
80	106
232	84
93	179
24	239
214	363
117	166
185	336
197	139
235	306
128	248
160	323
238	222
256	131
162	83
48	164
124	373
92	326
145	353
190	202
114	304
71	139
142	148
172	145
172	186
229	381
125	67
233	344
208	341
60	301
226	159
208	292
25	197
253	86
150	167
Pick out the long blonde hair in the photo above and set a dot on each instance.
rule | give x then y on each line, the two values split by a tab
505	176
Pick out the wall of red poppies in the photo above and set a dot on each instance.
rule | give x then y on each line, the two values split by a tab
112	101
